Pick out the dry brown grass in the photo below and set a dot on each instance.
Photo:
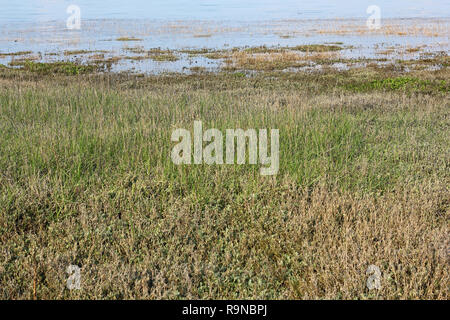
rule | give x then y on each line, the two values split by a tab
307	244
202	35
434	29
263	61
128	39
274	59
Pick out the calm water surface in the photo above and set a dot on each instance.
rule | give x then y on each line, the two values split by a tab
51	10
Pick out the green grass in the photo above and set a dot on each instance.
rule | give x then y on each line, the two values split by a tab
400	83
43	68
315	143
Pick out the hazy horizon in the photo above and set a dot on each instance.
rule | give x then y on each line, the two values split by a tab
243	10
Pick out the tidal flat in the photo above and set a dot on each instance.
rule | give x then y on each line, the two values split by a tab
155	47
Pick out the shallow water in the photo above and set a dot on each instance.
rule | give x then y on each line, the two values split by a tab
40	27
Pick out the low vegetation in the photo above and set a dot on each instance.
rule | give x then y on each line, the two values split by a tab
401	83
86	179
317	48
164	57
18	53
263	62
78	52
128	39
67	68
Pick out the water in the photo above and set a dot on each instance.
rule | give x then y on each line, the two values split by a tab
40	26
231	10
